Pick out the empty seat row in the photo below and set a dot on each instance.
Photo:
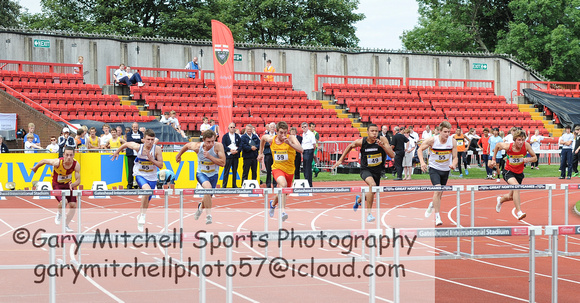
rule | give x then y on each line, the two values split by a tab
39	77
334	88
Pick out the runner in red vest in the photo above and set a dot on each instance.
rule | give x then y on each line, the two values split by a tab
513	173
62	179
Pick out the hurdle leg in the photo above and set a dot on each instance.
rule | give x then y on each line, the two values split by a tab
532	267
554	248
52	278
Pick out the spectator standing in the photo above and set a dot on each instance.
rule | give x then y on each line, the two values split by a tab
80	139
204	125
462	142
413	134
134	136
65	141
3	148
385	133
52	147
566	154
29	144
427	133
93	140
250	146
536	143
484	141
308	146
31	128
473	146
398	145
268	160
269	69
214	127
575	150
106	136
193	65
298	159
232	143
409	153
317	148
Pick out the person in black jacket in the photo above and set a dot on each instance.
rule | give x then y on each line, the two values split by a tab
3	147
232	150
398	144
134	136
250	146
65	140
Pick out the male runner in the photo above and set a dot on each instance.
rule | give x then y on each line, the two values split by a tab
442	149
284	150
62	179
149	159
210	155
513	173
373	151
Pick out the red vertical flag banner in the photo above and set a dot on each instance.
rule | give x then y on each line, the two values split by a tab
223	62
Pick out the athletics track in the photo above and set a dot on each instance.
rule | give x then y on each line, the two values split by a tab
457	280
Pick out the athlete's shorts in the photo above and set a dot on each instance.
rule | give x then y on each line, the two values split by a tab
142	181
201	177
289	178
60	186
438	177
364	174
508	174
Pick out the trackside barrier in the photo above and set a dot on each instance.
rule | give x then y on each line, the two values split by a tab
222	191
174	239
474	188
530	231
121	192
456	188
554	232
322	234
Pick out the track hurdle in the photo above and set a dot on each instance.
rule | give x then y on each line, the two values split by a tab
567	188
531	232
474	188
221	191
456	188
323	234
554	232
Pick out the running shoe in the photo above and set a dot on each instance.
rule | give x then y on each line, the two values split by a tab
140	222
460	175
68	229
57	218
497	180
521	215
466	172
498	205
574	174
370	218
356	204
429	210
272	208
208	219
284	217
438	221
197	212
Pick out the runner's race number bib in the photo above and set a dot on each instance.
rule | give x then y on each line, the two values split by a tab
374	160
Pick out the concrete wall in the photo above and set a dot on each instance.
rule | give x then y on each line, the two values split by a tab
44	126
302	64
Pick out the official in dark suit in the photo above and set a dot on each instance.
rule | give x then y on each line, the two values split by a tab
135	135
232	143
250	147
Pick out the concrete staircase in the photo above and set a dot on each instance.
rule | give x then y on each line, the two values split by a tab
536	115
126	101
341	113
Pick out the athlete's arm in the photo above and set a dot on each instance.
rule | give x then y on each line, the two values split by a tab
293	142
53	162
533	157
77	176
354	144
425	145
186	147
221	155
157	159
499	146
384	143
132	145
454	155
265	138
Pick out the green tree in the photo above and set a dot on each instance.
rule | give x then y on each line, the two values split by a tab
544	34
316	22
458	25
9	13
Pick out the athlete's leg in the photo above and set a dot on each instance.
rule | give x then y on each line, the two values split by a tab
370	195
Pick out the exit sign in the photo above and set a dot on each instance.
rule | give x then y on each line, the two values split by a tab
482	66
237	57
41	43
